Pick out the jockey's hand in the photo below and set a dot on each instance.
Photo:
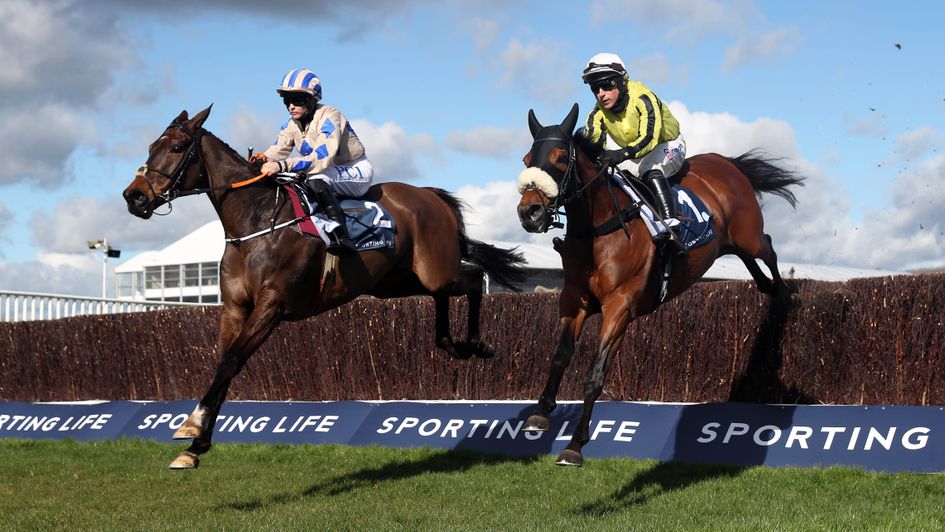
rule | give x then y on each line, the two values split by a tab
258	157
270	168
613	157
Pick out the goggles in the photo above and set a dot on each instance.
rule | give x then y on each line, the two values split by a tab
298	100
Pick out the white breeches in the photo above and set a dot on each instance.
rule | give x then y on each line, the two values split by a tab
352	179
667	157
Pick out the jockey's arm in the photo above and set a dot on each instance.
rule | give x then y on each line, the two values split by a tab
651	123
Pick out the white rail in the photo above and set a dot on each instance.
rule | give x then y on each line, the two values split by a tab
29	306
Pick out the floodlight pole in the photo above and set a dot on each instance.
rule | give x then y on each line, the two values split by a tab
105	249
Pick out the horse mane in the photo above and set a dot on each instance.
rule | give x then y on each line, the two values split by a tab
590	148
225	145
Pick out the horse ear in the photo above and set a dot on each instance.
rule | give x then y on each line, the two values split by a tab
533	124
571	120
201	117
181	117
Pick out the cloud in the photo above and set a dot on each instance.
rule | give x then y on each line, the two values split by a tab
58	59
6	218
914	144
490	141
687	20
870	126
245	129
58	48
394	153
656	69
82	277
911	232
761	47
728	135
350	18
543	66
491	214
41	141
70	224
484	32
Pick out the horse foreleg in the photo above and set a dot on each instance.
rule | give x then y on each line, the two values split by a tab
232	319
199	425
613	328
572	321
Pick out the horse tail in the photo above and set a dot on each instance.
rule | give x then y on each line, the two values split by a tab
504	266
765	176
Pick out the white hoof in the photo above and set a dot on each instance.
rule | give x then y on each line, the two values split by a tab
185	460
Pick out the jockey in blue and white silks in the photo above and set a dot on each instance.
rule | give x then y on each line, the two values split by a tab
330	154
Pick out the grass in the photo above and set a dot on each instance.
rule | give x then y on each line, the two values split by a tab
125	486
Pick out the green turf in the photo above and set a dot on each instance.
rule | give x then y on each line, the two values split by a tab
126	486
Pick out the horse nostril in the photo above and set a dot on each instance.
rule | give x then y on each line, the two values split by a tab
135	197
534	211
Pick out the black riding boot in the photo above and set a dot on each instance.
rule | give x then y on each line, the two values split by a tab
340	241
667	207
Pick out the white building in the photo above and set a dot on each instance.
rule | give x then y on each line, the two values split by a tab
186	271
189	269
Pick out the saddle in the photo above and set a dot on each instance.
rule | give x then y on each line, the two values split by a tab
369	225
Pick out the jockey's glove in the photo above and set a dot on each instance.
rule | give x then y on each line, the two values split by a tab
613	157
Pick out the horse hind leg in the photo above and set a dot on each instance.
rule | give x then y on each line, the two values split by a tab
774	287
444	340
470	285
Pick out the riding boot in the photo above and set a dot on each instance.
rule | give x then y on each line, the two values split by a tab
340	241
667	207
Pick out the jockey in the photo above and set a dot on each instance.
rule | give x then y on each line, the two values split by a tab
332	158
637	132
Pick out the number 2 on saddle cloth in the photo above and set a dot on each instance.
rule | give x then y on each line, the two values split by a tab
369	225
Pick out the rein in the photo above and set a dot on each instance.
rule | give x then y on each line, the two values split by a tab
193	154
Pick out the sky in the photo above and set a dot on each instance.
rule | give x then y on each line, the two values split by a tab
850	94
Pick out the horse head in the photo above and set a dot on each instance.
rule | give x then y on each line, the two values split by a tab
169	168
549	166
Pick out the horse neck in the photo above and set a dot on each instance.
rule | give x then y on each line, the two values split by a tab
595	205
235	207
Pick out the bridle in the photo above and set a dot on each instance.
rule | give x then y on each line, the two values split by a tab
193	154
567	180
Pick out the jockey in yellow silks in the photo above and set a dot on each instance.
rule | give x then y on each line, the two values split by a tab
636	130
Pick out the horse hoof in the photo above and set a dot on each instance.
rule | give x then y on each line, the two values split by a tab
185	460
536	424
484	350
187	431
569	457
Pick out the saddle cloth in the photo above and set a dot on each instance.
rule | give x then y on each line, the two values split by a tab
369	225
692	216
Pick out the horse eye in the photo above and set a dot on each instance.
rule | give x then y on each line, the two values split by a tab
177	148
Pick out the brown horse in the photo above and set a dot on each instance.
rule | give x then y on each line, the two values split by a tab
610	263
284	276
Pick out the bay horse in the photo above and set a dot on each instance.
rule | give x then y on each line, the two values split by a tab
285	276
611	265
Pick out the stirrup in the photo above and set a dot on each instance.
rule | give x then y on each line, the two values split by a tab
671	239
340	245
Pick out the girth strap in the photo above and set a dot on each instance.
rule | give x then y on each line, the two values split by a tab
618	220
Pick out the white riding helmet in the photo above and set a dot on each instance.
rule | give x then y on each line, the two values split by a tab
604	65
301	80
